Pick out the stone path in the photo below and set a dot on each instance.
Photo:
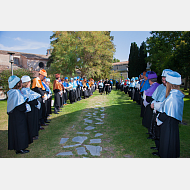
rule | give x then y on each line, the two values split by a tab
87	148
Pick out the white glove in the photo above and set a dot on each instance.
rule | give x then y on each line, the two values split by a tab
45	97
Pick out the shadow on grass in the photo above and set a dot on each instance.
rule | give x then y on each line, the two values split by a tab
122	131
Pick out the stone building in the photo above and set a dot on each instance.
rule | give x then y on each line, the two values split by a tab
122	68
29	61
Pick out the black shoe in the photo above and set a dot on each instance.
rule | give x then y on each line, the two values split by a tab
41	128
154	148
56	113
22	151
155	153
149	137
35	138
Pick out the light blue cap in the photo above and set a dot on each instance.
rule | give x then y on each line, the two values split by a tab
75	78
165	71
13	80
66	78
81	79
71	78
173	77
136	78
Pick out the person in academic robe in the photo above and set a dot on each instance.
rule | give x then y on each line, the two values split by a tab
137	90
116	85
170	116
147	96
17	124
45	103
81	88
88	89
38	87
62	94
75	89
158	97
78	89
125	86
57	89
107	86
71	91
144	87
100	87
111	82
85	91
65	92
49	100
33	114
121	85
132	88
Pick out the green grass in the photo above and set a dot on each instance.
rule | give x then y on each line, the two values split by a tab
123	133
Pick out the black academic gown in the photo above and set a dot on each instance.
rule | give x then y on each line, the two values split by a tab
148	114
32	121
17	128
169	137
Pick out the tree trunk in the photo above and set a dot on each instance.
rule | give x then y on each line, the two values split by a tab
189	85
185	85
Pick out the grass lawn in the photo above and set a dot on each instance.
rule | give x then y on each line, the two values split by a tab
123	134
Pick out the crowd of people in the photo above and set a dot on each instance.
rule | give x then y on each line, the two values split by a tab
30	103
161	108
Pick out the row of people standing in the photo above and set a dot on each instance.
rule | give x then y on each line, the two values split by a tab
161	110
28	110
105	86
73	90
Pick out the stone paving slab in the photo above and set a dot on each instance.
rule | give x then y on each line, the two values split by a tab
88	120
79	139
94	150
98	119
83	133
70	146
96	108
63	140
98	134
81	151
99	123
64	154
95	141
89	128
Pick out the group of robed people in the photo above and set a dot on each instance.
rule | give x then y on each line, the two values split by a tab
74	90
29	108
161	108
105	86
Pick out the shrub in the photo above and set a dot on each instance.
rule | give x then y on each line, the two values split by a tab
4	75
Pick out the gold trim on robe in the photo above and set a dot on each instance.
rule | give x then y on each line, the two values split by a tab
37	83
57	85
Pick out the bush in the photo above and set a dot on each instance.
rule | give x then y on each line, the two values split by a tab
4	75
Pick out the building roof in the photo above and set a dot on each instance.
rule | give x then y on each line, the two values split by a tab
27	55
121	63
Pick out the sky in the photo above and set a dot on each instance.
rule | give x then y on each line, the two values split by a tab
38	42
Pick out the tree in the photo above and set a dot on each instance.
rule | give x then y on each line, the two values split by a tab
142	64
160	47
180	59
115	60
89	52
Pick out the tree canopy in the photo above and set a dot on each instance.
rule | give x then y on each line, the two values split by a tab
137	62
91	52
170	49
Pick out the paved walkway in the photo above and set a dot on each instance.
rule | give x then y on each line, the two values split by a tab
81	141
